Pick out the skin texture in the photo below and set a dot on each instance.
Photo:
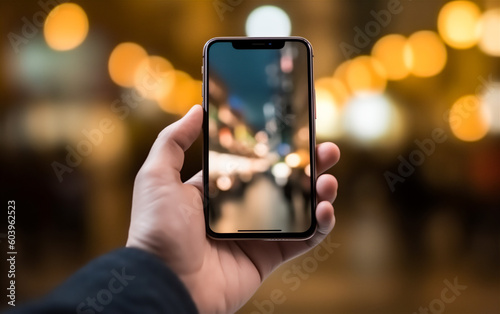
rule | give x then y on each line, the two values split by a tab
168	221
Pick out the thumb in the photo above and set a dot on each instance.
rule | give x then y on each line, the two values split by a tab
167	153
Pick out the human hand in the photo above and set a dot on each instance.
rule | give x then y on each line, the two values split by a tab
168	221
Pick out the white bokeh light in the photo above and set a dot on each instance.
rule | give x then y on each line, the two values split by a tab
368	116
490	101
268	20
490	32
281	172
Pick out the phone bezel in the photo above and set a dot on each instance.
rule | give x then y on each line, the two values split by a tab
276	41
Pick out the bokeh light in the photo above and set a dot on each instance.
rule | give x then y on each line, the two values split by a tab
307	170
490	103
123	63
425	54
149	76
225	115
458	24
335	87
389	50
281	171
268	20
261	149
467	119
66	27
293	160
365	73
340	74
368	116
327	115
183	92
490	32
224	183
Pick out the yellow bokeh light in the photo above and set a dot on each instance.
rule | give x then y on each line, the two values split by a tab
66	27
389	50
298	159
335	87
153	77
307	170
123	63
341	71
327	124
425	54
490	32
458	24
293	160
183	94
467	120
365	73
341	74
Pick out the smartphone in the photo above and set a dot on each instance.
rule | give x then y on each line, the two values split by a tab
259	138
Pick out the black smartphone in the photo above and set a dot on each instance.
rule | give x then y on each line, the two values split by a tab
259	138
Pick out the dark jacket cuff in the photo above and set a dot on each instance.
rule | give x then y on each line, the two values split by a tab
127	280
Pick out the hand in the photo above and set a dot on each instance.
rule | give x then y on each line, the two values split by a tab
168	221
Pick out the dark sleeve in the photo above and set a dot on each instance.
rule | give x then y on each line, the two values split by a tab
124	281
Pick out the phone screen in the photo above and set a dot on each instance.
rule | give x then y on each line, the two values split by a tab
257	173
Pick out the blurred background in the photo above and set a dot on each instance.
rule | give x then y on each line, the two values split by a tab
409	90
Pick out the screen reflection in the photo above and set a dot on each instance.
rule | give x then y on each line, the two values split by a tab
259	151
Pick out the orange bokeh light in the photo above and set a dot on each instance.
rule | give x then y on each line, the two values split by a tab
183	94
123	63
458	24
425	54
467	121
389	50
153	77
365	73
66	27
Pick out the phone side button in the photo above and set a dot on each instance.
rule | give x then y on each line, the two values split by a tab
315	111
